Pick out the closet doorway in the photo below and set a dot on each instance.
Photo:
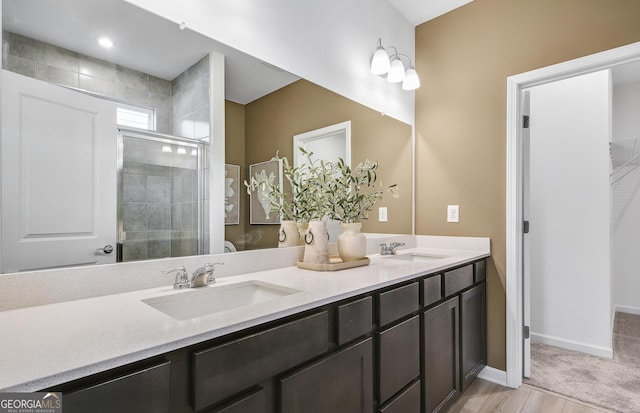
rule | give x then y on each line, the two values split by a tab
515	219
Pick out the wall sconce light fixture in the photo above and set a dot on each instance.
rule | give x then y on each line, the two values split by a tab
382	64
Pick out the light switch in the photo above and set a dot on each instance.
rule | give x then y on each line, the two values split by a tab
453	213
382	214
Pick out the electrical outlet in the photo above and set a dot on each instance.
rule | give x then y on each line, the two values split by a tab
382	214
453	213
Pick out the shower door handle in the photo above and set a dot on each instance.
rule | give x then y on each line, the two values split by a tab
107	249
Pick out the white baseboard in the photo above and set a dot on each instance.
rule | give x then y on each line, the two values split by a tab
606	352
493	375
627	309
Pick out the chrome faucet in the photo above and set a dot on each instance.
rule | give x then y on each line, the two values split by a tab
391	249
204	276
182	278
201	277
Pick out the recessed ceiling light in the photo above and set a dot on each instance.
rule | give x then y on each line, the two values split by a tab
105	42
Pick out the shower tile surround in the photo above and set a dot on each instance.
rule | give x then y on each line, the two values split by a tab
159	201
190	118
54	64
160	205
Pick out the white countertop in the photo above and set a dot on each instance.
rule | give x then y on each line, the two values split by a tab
51	344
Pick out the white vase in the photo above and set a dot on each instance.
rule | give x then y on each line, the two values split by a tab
316	249
352	243
288	235
302	230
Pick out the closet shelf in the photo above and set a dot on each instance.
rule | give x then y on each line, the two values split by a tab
625	158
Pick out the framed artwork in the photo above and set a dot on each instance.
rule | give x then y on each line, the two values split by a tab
259	204
231	194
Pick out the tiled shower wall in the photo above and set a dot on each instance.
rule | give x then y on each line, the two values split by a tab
50	63
190	117
154	227
190	109
160	195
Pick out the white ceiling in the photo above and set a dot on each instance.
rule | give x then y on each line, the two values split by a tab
420	11
142	41
151	44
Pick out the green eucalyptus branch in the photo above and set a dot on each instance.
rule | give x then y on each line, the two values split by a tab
323	190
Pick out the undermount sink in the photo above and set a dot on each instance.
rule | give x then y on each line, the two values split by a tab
210	300
418	257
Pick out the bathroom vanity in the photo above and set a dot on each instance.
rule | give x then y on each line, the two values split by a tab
405	334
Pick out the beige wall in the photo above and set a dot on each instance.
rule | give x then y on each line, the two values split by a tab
272	121
463	59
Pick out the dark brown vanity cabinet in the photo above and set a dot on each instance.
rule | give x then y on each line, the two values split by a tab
406	348
473	333
398	340
441	355
341	382
140	390
221	371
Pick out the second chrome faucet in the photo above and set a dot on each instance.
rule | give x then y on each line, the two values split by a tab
201	277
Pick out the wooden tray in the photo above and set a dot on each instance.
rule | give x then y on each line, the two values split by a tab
335	264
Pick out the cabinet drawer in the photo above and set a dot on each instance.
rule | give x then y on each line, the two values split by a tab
397	303
227	369
340	382
399	357
458	279
432	290
254	402
407	402
145	390
480	270
355	319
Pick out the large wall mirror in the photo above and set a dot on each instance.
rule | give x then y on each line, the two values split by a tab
155	80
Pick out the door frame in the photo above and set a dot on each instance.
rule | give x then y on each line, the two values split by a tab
514	205
318	134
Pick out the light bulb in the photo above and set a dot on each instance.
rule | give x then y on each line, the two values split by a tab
396	72
166	149
194	152
380	62
411	80
105	42
181	150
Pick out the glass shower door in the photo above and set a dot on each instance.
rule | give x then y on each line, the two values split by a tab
161	199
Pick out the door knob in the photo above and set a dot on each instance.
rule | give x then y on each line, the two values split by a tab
107	249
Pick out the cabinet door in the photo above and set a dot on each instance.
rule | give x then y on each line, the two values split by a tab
341	382
441	355
141	391
227	369
399	363
473	330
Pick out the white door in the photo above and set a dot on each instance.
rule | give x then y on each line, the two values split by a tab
526	280
58	176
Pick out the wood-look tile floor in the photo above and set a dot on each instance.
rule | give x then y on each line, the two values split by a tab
483	396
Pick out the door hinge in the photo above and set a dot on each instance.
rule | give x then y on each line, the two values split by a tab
525	332
525	121
525	227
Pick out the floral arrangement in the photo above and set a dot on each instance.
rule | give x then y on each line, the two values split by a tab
323	190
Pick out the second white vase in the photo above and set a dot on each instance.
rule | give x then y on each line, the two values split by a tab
316	249
352	243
